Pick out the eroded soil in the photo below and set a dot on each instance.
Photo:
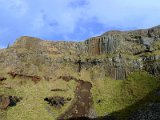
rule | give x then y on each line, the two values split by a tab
82	101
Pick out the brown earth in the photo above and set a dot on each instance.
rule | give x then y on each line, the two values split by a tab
56	90
82	101
35	79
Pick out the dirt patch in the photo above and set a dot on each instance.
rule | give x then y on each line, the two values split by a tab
56	90
8	101
3	78
57	101
35	79
68	78
82	101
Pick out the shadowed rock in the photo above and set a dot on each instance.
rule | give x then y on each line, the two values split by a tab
8	101
3	78
57	101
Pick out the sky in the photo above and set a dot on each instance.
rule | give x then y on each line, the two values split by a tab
73	20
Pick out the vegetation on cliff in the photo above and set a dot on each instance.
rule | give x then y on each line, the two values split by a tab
123	69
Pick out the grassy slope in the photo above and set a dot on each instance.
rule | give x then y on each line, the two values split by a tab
117	95
33	106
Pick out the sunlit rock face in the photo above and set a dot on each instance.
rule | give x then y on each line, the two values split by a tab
127	51
79	78
114	54
107	43
133	42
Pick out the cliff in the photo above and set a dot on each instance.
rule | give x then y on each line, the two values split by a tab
112	74
127	51
114	53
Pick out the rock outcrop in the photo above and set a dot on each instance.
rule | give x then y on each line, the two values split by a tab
57	101
8	101
107	43
127	51
114	54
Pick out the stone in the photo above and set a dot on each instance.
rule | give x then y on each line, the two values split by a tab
56	101
8	101
115	54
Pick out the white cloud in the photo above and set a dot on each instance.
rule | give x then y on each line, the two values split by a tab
125	13
15	8
63	18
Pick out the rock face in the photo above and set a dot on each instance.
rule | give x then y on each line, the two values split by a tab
113	54
134	42
127	51
107	43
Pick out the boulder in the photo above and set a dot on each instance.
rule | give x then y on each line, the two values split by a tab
6	101
56	101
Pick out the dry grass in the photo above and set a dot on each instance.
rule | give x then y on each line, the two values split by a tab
33	106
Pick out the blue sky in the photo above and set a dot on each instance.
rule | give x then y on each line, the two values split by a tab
74	20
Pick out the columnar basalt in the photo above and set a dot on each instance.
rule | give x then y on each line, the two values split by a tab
117	53
104	44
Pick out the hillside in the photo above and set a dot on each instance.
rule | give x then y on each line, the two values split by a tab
112	76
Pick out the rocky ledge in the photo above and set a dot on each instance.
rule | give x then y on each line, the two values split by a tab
115	54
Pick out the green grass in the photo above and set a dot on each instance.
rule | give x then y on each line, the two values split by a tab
33	106
117	95
107	91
